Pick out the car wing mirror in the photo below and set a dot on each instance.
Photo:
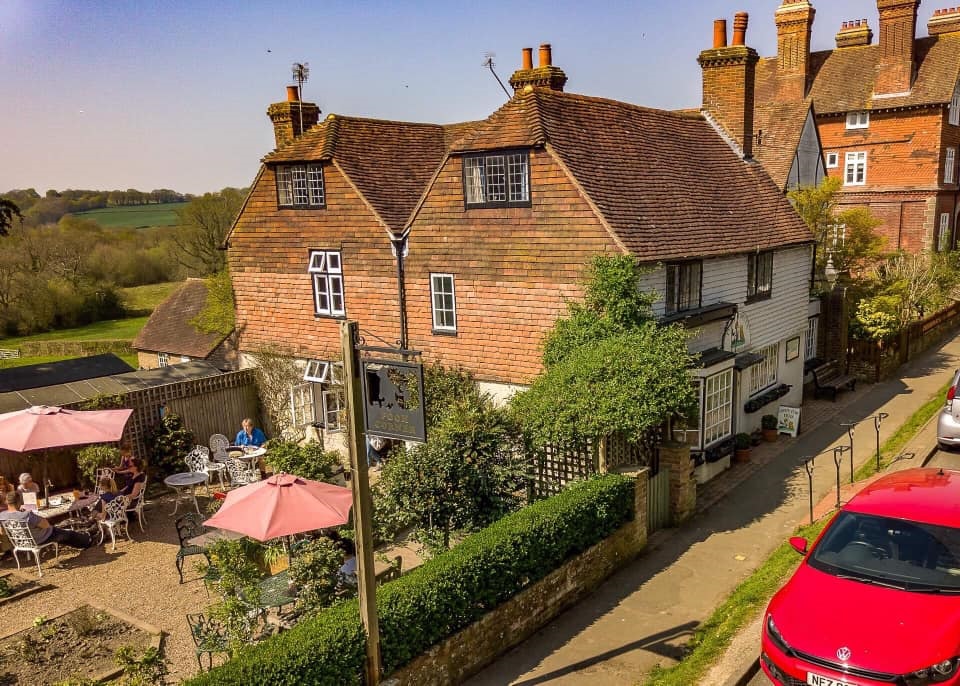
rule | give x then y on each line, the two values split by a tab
799	543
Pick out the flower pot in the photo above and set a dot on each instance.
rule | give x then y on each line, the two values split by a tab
741	456
770	435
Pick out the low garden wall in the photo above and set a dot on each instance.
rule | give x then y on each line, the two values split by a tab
458	611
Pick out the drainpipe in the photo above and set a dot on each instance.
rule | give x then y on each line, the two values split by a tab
400	251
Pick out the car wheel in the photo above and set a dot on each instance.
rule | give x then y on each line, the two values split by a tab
943	447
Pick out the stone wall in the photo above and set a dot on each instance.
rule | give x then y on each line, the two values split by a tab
468	651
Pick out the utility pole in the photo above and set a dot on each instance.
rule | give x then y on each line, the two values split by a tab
362	503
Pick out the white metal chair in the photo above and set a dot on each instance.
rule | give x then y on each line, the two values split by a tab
135	505
218	451
115	519
219	444
198	460
22	539
240	473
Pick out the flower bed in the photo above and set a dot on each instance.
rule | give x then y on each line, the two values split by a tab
13	587
79	643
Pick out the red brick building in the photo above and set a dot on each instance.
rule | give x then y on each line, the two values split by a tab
888	113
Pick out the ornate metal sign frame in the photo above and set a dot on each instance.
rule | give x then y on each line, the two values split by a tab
393	401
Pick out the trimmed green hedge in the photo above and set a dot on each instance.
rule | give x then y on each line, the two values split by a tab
444	595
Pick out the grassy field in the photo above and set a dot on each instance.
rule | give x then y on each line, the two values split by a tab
148	297
24	361
110	330
136	216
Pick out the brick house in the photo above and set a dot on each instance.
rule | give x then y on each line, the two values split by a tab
169	338
888	114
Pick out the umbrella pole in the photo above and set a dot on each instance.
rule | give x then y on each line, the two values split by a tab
46	488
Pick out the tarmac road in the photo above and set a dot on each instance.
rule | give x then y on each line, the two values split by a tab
943	458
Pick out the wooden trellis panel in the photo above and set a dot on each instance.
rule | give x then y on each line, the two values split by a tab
554	467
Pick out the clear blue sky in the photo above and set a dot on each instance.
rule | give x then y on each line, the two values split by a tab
148	94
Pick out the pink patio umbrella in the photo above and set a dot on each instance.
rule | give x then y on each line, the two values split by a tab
283	505
41	427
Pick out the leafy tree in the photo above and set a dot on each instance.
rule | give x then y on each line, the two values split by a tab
907	286
204	223
218	314
169	441
8	212
443	388
314	571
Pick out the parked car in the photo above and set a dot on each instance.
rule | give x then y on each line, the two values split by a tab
948	424
876	599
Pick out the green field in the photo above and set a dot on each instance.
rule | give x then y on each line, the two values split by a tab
148	297
24	361
135	216
109	330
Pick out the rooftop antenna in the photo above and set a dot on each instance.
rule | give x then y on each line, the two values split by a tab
301	72
488	63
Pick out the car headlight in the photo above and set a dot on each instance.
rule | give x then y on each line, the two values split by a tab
934	674
774	633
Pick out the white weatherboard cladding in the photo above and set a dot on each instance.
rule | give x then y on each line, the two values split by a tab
785	313
707	336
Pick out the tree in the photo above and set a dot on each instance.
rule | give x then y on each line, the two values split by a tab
204	223
904	288
8	212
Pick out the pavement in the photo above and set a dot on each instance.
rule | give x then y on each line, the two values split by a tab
644	614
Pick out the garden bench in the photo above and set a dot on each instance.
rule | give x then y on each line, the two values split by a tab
827	379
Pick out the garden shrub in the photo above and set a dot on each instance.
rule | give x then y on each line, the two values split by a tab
314	570
309	461
92	458
441	597
169	442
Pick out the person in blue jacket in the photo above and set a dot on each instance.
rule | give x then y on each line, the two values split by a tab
249	435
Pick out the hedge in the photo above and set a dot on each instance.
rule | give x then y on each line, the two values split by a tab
442	596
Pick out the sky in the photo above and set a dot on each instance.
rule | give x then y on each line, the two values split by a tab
146	94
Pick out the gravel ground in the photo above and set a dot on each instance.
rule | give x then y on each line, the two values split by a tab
139	578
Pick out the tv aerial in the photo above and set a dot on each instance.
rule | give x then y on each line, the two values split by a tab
301	72
488	63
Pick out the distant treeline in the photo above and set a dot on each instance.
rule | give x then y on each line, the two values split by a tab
49	208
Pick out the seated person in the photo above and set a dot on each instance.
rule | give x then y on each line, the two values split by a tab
27	484
347	573
40	528
5	485
249	435
108	491
135	480
126	460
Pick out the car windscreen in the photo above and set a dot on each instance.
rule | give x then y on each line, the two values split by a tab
890	552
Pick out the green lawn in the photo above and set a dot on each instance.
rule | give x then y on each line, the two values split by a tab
24	361
136	216
109	330
148	297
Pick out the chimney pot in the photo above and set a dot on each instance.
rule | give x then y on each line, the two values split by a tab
293	94
527	62
546	55
720	33
944	20
740	20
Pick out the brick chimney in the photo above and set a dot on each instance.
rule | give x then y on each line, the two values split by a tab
728	82
545	75
794	20
898	28
946	20
287	116
854	33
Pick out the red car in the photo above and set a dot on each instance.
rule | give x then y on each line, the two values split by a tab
876	599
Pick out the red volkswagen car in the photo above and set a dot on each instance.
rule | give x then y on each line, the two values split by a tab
876	599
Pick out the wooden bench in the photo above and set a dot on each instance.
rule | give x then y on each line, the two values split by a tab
827	379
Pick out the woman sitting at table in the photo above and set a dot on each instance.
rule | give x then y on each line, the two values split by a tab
249	435
27	484
126	461
135	480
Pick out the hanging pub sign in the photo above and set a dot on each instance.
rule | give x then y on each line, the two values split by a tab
393	400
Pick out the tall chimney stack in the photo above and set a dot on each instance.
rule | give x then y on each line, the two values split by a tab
944	20
794	20
545	75
898	29
292	117
854	33
729	75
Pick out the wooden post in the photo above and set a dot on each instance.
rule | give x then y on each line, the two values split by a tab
362	503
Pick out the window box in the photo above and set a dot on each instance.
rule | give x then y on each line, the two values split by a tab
500	179
764	399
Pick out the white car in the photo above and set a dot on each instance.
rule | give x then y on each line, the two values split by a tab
948	424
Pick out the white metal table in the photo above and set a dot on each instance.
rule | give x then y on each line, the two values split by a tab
185	483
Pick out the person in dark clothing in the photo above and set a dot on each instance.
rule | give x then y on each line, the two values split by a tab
135	480
41	529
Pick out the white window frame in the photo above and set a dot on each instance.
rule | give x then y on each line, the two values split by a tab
833	160
496	179
163	359
855	169
303	411
326	269
332	402
858	120
949	165
810	342
300	185
943	233
760	275
442	313
321	371
763	374
717	407
955	106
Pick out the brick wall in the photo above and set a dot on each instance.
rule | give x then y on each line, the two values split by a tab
514	270
268	254
147	360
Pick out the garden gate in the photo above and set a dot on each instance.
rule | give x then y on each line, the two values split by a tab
658	500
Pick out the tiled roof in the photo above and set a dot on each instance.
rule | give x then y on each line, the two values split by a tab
169	329
666	183
782	125
843	79
390	162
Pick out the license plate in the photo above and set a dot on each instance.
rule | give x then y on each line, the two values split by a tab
821	680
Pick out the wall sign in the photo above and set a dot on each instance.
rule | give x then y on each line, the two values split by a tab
393	399
788	420
736	335
793	348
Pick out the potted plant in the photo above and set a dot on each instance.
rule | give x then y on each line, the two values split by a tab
768	423
741	444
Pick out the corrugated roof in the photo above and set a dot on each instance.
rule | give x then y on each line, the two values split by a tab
64	371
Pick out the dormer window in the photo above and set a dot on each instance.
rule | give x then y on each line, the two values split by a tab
858	120
496	180
300	185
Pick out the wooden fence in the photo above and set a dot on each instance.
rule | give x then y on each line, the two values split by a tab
874	361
